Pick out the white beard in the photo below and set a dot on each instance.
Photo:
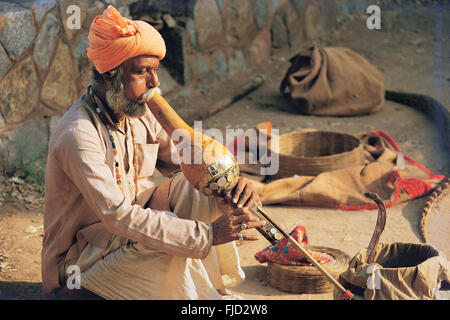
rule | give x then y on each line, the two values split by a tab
120	105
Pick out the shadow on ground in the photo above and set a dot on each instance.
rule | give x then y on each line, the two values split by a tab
21	290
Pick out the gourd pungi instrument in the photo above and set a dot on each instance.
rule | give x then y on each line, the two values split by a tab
214	171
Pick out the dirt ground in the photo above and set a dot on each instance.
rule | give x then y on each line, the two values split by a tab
412	51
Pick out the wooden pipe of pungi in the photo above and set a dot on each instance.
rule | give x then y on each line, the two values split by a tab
217	174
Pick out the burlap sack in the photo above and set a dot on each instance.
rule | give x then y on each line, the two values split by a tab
333	82
400	271
395	177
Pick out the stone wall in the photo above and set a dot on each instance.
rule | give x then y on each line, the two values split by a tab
44	68
219	38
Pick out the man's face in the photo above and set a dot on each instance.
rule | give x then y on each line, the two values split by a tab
139	75
130	95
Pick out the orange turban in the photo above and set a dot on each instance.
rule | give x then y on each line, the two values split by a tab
114	39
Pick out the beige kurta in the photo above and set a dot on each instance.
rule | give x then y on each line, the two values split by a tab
84	205
126	270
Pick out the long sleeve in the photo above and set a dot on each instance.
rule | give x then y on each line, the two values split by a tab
81	155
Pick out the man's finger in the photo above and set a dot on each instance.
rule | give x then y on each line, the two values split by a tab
240	211
246	218
238	190
245	195
254	199
248	237
255	224
248	225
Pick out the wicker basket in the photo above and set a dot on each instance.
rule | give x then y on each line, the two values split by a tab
308	153
307	279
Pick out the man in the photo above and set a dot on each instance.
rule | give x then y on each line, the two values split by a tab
104	217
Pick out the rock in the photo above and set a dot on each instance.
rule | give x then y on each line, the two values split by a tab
220	4
20	91
202	66
167	82
361	6
125	12
279	32
95	9
239	23
45	43
259	50
333	14
53	123
313	22
59	90
17	180
275	3
344	8
190	28
298	3
31	229
121	2
3	20
260	9
208	24
5	63
168	19
84	78
79	50
219	65
237	63
294	25
41	7
18	32
26	144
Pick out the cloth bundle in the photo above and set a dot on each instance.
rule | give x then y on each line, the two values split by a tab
287	254
395	177
333	82
400	271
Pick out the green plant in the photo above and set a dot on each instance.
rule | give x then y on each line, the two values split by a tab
33	167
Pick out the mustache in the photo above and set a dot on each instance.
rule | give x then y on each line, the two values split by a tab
145	97
133	108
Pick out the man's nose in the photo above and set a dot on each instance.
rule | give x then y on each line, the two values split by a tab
153	80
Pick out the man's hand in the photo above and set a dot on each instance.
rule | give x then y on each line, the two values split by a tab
245	194
228	227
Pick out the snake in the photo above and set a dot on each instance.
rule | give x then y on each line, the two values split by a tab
430	107
436	112
379	226
433	200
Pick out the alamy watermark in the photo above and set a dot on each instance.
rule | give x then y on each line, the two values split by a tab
374	20
373	281
73	21
251	146
74	277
